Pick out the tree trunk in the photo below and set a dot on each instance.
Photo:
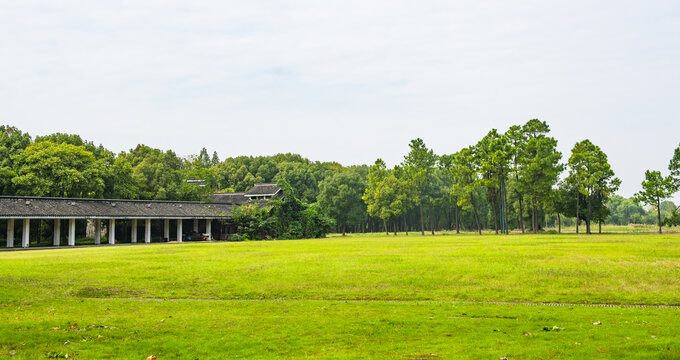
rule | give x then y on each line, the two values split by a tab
395	227
559	223
431	219
505	207
534	219
343	229
658	212
387	231
521	213
474	210
599	230
578	196
494	206
457	223
405	225
422	224
590	201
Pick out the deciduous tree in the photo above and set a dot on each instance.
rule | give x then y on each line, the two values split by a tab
418	164
61	170
340	197
656	188
592	175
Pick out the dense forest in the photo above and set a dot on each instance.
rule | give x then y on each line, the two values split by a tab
512	181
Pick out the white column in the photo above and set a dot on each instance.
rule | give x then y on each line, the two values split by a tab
208	228
10	233
133	236
147	231
196	225
166	229
97	231
179	230
26	233
71	232
112	231
57	232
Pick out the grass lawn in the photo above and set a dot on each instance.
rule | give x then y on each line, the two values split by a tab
356	297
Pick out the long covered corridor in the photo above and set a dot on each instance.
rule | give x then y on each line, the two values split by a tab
63	222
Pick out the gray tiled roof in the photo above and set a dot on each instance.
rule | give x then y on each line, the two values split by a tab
263	189
235	198
37	207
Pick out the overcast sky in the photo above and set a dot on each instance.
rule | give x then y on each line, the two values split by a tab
346	81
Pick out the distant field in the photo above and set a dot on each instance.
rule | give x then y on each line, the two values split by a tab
364	296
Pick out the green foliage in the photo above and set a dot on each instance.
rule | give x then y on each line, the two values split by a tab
122	183
393	197
287	218
240	173
418	165
157	172
539	166
656	188
592	175
203	159
389	194
376	174
674	167
215	159
626	211
61	170
340	197
507	175
465	178
673	219
314	223
12	143
253	222
296	219
76	140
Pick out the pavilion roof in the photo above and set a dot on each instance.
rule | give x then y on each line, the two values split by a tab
265	189
66	208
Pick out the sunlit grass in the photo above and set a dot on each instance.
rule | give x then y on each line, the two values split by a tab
425	295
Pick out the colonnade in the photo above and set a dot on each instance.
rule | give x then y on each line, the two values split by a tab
56	237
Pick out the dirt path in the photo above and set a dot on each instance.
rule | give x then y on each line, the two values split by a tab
407	301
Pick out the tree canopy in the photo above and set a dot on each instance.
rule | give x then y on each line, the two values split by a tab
506	181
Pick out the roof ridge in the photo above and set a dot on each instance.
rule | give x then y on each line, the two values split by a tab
96	199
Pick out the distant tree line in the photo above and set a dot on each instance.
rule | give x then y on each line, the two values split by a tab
506	181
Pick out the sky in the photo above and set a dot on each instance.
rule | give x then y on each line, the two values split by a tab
346	81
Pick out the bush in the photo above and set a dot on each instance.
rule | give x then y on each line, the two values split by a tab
237	237
252	222
288	218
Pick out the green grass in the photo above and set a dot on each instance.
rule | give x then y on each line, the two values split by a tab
630	228
419	296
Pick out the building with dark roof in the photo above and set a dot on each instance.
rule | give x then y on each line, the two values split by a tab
130	212
234	198
265	191
25	209
259	192
65	208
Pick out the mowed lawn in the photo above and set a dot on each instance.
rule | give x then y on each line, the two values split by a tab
405	297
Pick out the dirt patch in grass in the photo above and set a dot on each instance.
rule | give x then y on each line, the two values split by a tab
96	292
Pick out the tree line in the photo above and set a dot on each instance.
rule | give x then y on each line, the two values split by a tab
506	181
